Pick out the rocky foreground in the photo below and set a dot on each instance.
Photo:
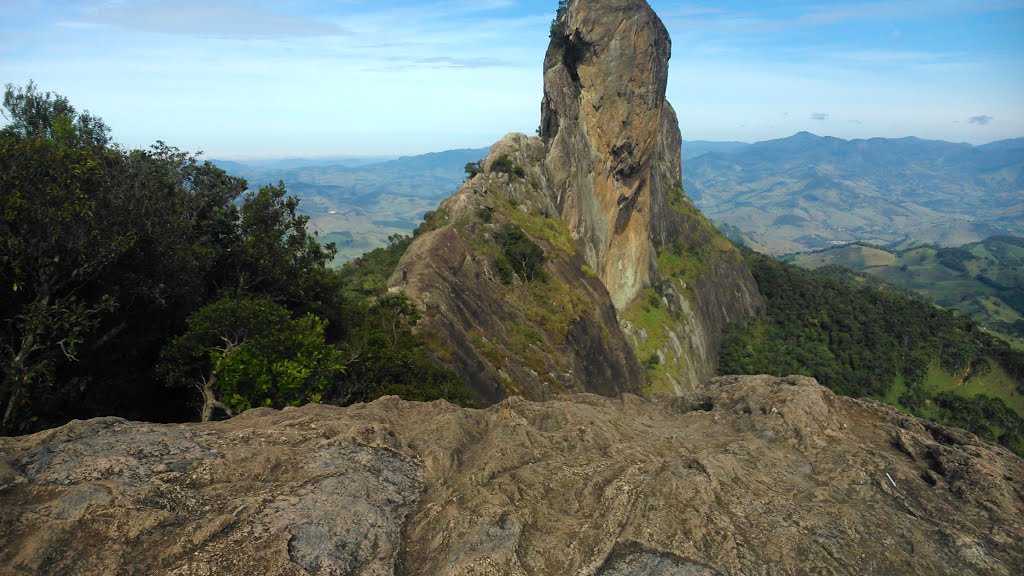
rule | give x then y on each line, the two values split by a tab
755	475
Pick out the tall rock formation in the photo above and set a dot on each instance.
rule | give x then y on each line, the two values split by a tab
613	140
636	286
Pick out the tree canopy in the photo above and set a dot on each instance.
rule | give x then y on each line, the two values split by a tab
862	339
115	261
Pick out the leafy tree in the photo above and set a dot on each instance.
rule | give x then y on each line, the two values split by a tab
503	164
32	114
519	254
106	252
383	356
55	244
557	32
244	352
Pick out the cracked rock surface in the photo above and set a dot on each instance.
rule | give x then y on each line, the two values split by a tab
752	475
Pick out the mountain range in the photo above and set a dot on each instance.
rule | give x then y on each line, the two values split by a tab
808	192
794	194
357	203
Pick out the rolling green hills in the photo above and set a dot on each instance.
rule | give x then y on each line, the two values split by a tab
860	338
359	203
982	280
808	192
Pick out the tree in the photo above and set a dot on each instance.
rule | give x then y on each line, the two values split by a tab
519	254
243	352
383	356
56	244
106	253
32	114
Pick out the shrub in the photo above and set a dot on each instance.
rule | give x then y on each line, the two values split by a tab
519	254
504	165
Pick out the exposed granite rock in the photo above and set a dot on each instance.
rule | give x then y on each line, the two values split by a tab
535	339
755	475
600	191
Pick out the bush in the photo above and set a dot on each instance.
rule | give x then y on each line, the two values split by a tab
519	254
504	165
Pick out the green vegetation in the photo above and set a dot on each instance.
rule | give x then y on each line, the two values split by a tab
554	306
647	314
551	230
557	32
518	254
250	352
504	165
984	280
860	340
115	261
679	259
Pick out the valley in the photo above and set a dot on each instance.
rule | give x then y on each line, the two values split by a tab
982	280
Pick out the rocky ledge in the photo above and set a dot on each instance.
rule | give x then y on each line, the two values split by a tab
753	475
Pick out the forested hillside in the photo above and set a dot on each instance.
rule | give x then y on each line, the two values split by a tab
860	339
983	280
148	284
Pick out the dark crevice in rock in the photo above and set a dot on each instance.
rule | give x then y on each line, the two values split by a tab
577	50
627	205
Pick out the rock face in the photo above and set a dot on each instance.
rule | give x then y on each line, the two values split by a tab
754	475
600	191
613	138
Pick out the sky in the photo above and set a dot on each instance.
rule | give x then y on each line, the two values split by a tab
290	78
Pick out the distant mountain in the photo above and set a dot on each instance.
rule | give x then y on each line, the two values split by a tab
694	148
358	202
287	163
806	192
983	280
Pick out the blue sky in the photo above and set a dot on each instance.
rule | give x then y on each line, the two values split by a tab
354	77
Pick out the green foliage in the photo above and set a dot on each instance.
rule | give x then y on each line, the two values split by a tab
485	214
382	353
857	339
557	32
367	276
503	164
104	254
519	254
473	168
251	352
647	314
384	356
985	416
31	114
983	280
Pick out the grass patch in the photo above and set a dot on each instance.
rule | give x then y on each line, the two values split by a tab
995	383
551	230
654	321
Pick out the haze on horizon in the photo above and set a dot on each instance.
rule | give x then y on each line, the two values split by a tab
364	78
